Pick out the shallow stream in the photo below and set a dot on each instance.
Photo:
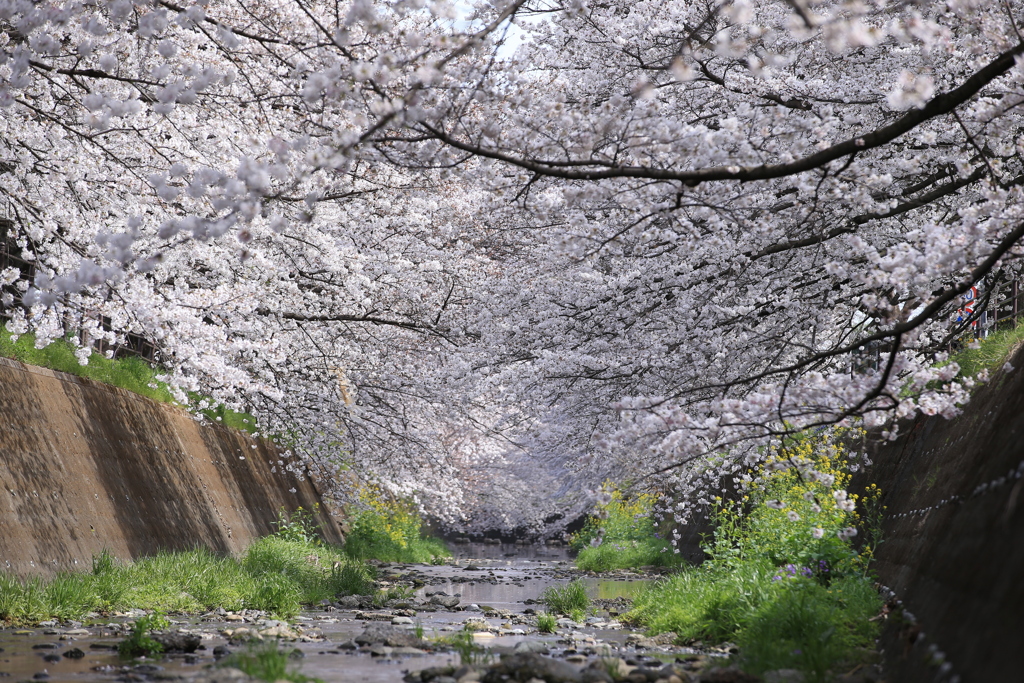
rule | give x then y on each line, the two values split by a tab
495	584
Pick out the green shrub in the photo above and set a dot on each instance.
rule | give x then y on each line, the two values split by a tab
622	535
810	627
783	579
569	599
390	531
300	526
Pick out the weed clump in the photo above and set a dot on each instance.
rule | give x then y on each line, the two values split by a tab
462	642
390	531
141	643
276	574
570	599
783	579
546	623
267	662
622	535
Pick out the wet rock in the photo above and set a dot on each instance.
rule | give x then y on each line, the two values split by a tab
447	601
476	624
430	674
374	616
41	676
727	674
178	642
51	658
401	621
615	667
535	646
385	634
528	665
241	634
77	632
349	602
45	646
74	653
221	651
281	632
312	635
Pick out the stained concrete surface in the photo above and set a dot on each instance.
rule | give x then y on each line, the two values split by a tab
86	467
952	546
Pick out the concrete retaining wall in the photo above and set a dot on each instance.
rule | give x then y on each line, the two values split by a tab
85	466
953	539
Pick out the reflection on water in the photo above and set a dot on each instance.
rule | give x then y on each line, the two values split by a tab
509	552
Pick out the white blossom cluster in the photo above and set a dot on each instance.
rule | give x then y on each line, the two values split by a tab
649	239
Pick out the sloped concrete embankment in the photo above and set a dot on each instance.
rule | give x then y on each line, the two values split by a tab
953	539
86	467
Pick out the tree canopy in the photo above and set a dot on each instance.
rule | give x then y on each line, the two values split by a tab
510	248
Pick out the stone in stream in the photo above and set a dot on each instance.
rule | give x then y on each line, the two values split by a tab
388	635
448	601
74	653
178	642
525	666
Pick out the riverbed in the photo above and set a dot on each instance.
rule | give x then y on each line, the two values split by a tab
497	587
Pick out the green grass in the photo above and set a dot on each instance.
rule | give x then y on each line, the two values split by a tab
992	352
623	535
546	623
131	373
613	554
570	599
274	574
783	581
266	662
140	643
391	532
278	574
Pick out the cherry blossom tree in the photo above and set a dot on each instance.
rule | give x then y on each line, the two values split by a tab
650	239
